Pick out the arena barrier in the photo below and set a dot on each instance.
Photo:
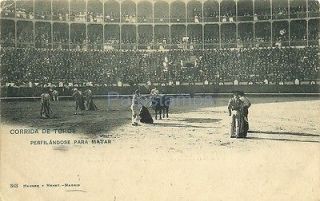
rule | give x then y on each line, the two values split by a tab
26	93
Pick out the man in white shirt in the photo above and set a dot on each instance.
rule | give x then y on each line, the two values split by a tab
135	108
154	92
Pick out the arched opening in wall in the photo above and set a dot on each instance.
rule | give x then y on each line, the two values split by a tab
8	8
7	37
42	9
24	9
60	10
314	32
43	35
111	11
262	34
128	12
78	10
211	36
145	36
227	11
111	36
279	9
95	11
128	37
298	33
161	37
245	10
280	33
25	34
262	10
145	13
178	12
95	36
179	37
194	11
60	35
161	12
245	35
314	8
211	11
78	36
194	32
228	35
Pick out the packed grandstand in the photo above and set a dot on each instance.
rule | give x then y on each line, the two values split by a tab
117	43
254	66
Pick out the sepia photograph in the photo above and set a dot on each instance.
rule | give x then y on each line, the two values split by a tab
160	100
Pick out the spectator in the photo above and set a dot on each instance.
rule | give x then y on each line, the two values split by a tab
254	65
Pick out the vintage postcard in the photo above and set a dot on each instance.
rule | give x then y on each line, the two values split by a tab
160	100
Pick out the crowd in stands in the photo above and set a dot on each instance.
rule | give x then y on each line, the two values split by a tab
314	8
92	11
30	66
279	12
42	37
211	14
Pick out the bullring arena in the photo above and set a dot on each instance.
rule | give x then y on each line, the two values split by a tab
189	156
196	52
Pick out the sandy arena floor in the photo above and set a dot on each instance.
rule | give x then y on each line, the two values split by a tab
188	157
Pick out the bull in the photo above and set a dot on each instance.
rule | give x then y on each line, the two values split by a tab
160	104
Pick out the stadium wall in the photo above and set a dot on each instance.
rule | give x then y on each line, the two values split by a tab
7	92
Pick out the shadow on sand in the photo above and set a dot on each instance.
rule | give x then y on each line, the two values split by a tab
285	133
177	125
200	120
285	140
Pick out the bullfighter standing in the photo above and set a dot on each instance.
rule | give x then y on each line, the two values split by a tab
89	100
246	105
78	97
235	107
55	95
45	104
135	108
